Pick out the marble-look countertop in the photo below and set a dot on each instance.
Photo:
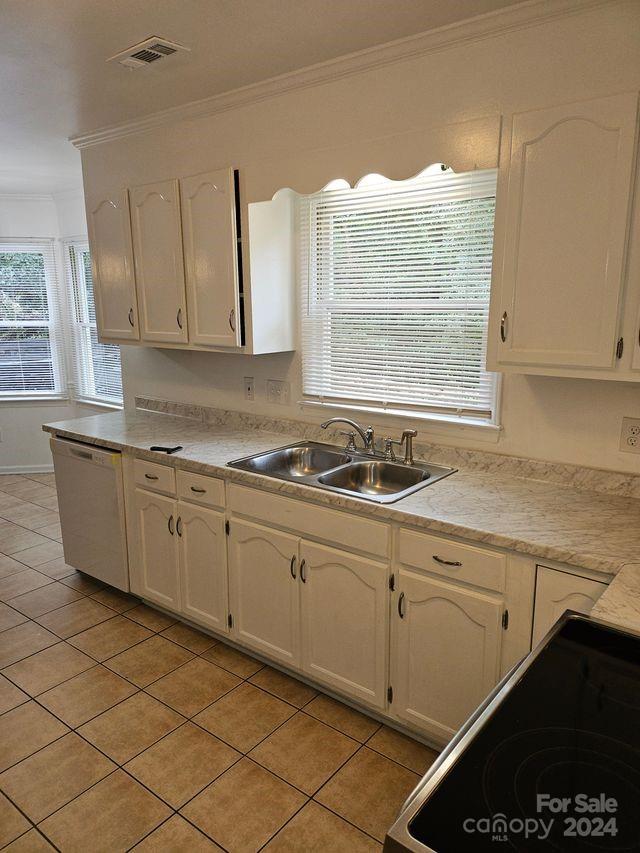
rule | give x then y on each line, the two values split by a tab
620	602
585	529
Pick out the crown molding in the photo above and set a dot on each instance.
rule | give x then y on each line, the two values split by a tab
518	16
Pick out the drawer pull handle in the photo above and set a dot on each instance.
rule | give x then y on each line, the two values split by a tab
503	327
170	525
232	319
303	576
151	476
198	491
400	607
179	526
292	567
445	562
131	323
179	318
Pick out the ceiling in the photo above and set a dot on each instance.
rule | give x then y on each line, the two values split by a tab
55	83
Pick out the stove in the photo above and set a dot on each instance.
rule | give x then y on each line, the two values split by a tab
551	760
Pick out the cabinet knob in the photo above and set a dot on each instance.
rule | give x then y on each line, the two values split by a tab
179	318
232	319
131	323
503	327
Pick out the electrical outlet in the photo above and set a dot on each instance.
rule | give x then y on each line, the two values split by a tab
630	435
248	387
278	391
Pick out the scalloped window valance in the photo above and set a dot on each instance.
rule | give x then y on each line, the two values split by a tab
464	146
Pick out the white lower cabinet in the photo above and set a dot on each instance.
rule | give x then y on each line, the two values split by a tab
182	558
203	565
345	621
263	590
158	549
557	591
446	651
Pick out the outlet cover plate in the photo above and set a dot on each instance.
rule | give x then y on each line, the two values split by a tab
278	391
630	435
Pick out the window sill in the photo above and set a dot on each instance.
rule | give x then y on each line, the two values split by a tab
444	426
48	399
99	404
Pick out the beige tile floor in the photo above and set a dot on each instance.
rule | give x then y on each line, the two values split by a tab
123	728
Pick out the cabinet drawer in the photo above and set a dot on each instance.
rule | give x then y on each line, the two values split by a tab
156	478
338	527
200	489
452	559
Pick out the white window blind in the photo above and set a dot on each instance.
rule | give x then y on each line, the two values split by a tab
30	343
96	366
395	294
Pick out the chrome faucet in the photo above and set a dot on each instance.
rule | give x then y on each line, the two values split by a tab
407	439
367	435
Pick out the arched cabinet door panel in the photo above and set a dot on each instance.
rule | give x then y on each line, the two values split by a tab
558	591
114	284
157	251
157	549
345	618
447	643
263	592
561	238
203	565
211	259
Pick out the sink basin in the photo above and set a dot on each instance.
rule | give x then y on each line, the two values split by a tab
374	478
298	462
353	473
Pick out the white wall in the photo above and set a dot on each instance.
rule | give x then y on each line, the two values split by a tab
569	58
23	445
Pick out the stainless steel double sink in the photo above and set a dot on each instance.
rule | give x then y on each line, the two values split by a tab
333	469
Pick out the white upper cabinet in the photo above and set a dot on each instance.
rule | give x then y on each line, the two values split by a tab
561	233
157	247
211	258
112	258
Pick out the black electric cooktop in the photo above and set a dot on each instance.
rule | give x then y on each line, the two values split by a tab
556	766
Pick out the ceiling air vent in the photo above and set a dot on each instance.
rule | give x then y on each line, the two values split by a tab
146	52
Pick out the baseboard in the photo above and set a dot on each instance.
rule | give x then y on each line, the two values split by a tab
26	469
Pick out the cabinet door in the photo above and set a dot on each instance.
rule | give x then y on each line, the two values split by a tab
203	565
565	232
157	549
211	259
344	615
157	251
114	288
559	591
446	652
264	590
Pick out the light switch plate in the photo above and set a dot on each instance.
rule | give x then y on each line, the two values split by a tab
630	435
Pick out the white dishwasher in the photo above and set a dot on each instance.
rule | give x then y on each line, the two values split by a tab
91	504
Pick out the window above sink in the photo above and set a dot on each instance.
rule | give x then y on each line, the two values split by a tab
395	283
